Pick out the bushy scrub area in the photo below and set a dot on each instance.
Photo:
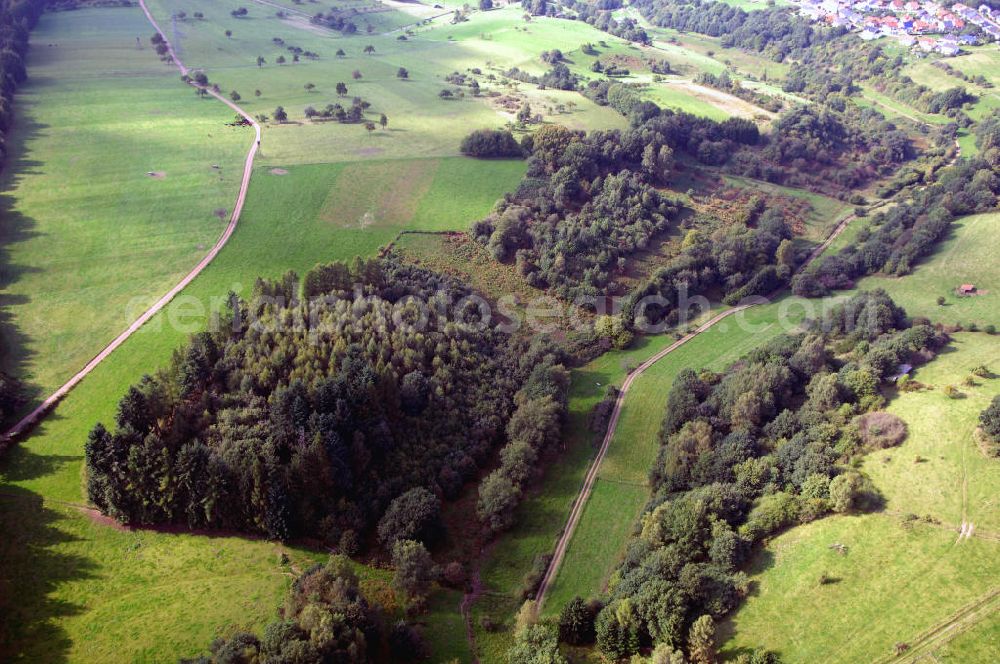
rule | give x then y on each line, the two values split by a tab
309	415
745	454
895	240
326	617
590	201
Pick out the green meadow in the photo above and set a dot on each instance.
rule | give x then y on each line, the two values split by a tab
906	561
79	589
966	255
87	229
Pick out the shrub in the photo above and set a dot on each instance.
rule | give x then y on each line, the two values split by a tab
414	515
576	623
491	143
880	430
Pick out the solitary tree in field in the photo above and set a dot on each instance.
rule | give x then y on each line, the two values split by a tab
341	89
340	53
370	126
260	61
402	73
280	115
310	87
280	60
356	74
524	114
384	121
256	93
369	50
235	96
229	34
198	15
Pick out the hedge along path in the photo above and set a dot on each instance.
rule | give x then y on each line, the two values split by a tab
588	484
35	416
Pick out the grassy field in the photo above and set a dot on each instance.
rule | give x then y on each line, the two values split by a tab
81	573
85	591
895	581
967	255
953	481
911	575
86	228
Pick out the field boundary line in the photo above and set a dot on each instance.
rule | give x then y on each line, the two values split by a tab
36	415
940	634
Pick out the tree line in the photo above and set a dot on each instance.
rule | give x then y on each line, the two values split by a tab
745	453
895	240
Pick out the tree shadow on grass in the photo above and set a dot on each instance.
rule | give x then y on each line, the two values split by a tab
15	228
32	568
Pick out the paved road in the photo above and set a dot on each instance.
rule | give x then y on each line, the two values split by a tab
38	413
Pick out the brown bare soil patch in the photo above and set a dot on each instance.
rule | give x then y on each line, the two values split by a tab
278	171
157	175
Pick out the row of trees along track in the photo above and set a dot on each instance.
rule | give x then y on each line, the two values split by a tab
588	484
32	418
591	478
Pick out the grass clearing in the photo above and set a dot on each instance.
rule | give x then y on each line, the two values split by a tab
966	255
87	229
895	581
910	574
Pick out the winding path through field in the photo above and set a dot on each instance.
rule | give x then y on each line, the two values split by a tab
32	418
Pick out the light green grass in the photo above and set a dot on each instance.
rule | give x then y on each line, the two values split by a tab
85	228
953	481
894	582
899	578
967	255
979	644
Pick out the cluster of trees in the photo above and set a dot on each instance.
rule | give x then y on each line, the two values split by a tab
739	260
832	69
309	416
558	77
896	239
745	453
775	32
586	203
534	430
326	619
491	143
335	20
601	15
351	115
17	18
823	148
